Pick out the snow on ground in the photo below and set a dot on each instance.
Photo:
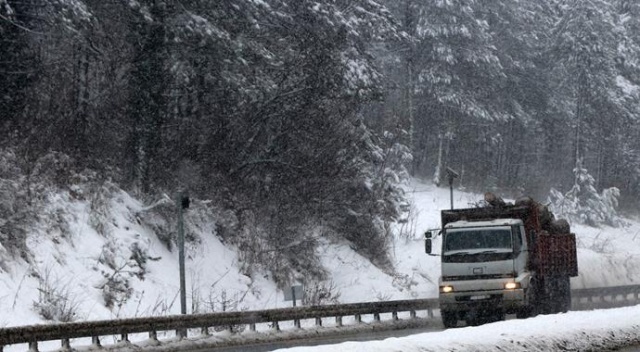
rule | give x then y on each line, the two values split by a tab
74	261
574	331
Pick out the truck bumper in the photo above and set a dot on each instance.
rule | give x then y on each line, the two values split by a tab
508	301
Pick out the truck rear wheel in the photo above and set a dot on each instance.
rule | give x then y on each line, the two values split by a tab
449	319
564	294
558	295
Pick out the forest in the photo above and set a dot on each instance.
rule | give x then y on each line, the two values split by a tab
293	116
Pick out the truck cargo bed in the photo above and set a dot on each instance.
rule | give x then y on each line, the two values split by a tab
552	254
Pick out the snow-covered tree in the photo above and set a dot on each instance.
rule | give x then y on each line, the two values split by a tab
583	204
585	52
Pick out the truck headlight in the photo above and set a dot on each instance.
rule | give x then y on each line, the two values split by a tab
512	285
446	289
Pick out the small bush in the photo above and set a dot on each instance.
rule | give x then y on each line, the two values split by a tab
55	302
321	293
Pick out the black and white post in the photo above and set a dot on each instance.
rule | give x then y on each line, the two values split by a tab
183	204
451	175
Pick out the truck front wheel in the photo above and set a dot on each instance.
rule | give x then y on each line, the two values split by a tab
449	319
525	312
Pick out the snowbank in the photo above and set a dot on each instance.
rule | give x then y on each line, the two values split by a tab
574	331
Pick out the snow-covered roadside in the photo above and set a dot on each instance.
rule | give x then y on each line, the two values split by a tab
75	260
574	331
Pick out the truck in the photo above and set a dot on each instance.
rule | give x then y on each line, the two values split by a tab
506	259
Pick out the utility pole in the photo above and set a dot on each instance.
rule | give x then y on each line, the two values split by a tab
451	175
183	204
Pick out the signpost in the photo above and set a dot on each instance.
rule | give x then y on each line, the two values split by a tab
296	292
451	175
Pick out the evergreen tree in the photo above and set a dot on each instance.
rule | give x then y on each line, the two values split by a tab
19	67
147	91
583	204
457	84
584	47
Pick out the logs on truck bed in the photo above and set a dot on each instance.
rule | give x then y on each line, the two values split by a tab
560	226
524	201
547	219
494	200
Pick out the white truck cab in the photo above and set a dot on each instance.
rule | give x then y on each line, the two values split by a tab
484	273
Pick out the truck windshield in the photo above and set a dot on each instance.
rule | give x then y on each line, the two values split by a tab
472	239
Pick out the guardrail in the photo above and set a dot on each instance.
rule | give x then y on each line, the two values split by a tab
582	299
605	297
180	323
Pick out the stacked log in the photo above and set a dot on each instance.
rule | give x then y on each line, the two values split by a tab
548	221
494	200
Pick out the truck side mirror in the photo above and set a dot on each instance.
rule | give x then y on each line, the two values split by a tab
427	242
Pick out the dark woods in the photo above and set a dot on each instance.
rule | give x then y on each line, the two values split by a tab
296	114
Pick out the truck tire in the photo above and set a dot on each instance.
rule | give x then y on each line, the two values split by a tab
502	316
564	294
481	317
497	315
449	319
525	312
558	295
533	302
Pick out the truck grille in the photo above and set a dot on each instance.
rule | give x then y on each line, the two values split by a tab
477	277
479	298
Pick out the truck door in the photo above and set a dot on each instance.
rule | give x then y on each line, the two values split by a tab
520	249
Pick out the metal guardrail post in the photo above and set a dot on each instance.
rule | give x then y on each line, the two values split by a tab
204	331
153	335
338	322
376	317
33	346
318	321
296	323
252	327
413	314
394	316
65	345
95	341
358	318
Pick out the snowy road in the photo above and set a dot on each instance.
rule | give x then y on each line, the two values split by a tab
599	330
324	341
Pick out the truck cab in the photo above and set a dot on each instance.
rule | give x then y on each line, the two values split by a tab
484	270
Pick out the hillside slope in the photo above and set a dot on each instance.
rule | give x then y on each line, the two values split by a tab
100	262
